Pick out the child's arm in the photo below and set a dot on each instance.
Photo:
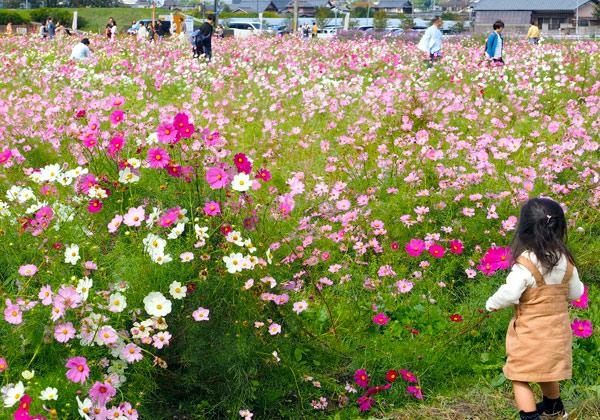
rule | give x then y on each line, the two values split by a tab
575	286
508	294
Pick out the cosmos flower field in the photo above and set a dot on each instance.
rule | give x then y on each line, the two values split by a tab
297	230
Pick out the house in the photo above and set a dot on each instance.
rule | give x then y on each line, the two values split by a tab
307	8
393	6
253	6
549	15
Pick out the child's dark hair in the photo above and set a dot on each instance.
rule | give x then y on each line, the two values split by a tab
542	230
498	24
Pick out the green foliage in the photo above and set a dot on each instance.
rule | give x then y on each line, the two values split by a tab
408	23
597	11
421	4
13	16
380	19
58	15
322	16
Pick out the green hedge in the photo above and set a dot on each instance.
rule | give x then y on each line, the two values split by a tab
64	16
11	16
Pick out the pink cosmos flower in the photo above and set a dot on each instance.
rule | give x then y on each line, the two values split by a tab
365	403
415	391
169	217
102	392
114	224
132	353
436	251
94	206
361	378
407	375
582	328
263	175
134	217
12	313
117	116
212	208
381	319
200	314
78	369
161	339
180	121
167	133
3	364
242	163
210	138
115	145
28	270
107	335
64	332
583	301
456	247
217	178
158	158
415	247
5	156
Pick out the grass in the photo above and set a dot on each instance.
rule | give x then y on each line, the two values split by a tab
95	19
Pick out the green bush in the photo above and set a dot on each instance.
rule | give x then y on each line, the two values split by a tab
62	15
12	16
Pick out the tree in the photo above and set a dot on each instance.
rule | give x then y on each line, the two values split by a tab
597	11
322	15
421	4
380	19
408	23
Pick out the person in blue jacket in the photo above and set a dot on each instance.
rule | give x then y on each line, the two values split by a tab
495	44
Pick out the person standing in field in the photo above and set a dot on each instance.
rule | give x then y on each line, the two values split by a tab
9	29
542	281
205	39
113	31
431	42
51	28
495	44
142	33
315	30
533	35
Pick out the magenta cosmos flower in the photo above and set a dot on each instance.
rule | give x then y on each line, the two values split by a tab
94	206
117	116
217	178
361	378
582	328
415	391
583	301
102	392
407	375
158	158
28	270
3	364
212	208
78	369
5	156
381	319
456	247
415	247
167	133
436	251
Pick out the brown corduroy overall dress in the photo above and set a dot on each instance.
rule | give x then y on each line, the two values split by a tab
539	337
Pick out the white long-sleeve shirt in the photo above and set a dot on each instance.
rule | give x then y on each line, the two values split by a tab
432	40
519	279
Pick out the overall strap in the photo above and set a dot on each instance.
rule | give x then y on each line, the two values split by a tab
539	279
568	273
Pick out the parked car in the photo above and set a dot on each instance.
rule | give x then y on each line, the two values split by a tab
365	28
245	29
280	29
164	24
328	31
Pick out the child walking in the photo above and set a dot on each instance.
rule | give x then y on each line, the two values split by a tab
542	281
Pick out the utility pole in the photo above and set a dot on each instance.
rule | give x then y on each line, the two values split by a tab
295	24
577	19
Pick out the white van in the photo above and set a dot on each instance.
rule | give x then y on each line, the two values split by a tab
246	29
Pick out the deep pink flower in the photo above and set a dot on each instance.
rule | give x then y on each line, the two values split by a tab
583	301
415	247
242	163
217	178
381	319
456	247
158	158
102	392
391	375
3	364
210	138
180	121
365	403
78	369
95	206
169	217
187	131
86	182
436	251
212	208
456	318
500	256
117	116
115	145
5	156
263	174
407	375
361	378
582	328
415	391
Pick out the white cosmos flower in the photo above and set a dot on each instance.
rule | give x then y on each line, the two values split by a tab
176	231
85	407
177	290
83	287
156	304
241	182
161	259
235	237
128	177
117	302
154	244
234	262
72	254
49	394
96	191
50	173
201	232
134	162
13	393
